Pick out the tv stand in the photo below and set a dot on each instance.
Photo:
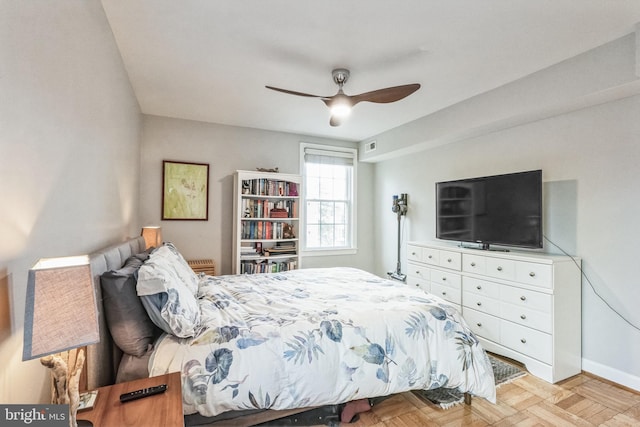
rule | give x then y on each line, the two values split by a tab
522	305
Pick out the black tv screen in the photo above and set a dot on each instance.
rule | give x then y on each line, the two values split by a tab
499	210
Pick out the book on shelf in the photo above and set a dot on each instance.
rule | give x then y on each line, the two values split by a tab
252	267
278	213
249	250
281	248
269	187
267	230
269	209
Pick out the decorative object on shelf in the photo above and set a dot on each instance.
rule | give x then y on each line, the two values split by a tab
399	207
278	213
274	170
61	314
185	191
152	236
287	231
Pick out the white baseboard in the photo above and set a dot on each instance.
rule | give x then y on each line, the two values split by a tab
611	374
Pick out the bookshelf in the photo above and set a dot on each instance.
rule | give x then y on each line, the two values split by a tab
266	225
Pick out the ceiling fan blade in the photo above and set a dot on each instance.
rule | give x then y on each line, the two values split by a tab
383	96
291	92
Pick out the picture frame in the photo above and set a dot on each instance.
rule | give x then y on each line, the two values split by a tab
185	191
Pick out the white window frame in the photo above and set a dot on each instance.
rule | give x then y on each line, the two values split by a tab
338	152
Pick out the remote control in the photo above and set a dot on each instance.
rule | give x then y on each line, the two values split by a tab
139	394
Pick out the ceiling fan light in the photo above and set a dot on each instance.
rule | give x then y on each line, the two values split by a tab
340	109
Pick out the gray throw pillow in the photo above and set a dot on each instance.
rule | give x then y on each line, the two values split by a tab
128	321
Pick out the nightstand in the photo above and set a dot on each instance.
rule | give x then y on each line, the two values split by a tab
163	409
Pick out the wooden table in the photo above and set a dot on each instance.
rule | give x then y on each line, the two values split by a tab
163	409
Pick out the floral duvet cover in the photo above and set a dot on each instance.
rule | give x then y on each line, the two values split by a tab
313	337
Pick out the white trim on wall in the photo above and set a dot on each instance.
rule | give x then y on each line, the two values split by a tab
611	374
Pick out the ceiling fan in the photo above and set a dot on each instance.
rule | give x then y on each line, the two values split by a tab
340	104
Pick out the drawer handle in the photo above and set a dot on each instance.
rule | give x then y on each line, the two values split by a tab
523	298
444	279
444	293
417	285
523	341
479	325
430	256
417	271
522	316
449	260
413	253
473	264
532	274
499	268
478	287
478	303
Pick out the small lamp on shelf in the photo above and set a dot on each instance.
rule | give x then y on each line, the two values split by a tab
152	236
61	315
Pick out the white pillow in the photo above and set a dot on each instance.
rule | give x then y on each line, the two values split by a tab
165	285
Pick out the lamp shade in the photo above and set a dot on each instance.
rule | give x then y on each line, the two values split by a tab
61	311
152	236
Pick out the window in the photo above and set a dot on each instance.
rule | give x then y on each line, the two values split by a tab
329	175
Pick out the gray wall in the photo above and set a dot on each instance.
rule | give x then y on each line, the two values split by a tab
227	149
584	136
69	157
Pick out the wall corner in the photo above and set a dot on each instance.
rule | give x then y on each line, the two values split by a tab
637	32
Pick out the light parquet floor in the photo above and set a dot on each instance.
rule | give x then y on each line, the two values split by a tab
583	400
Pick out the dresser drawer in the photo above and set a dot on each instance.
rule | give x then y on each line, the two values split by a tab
416	282
473	264
419	271
483	324
532	273
501	268
452	260
446	278
526	317
414	253
480	303
431	256
525	298
528	341
481	287
446	293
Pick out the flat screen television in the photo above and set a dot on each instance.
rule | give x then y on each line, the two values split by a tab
503	210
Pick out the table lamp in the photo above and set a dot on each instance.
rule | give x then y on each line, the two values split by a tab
152	236
61	315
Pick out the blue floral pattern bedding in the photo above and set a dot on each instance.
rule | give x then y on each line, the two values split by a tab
312	337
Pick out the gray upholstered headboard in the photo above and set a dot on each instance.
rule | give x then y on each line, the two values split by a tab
103	358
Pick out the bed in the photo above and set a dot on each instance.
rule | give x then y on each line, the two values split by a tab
274	342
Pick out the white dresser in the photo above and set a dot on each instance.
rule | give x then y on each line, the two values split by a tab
523	305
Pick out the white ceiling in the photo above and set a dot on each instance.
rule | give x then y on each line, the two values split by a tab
209	60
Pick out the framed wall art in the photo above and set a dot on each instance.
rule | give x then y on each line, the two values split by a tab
185	191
